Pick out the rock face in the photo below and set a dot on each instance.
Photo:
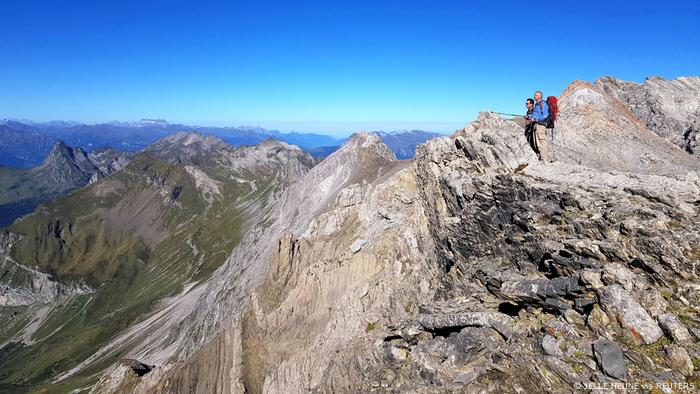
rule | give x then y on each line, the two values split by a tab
73	167
23	285
107	161
471	268
669	108
594	126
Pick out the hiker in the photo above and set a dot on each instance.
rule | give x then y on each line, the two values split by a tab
529	130
538	120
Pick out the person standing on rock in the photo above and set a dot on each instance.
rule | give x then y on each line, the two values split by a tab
529	130
536	126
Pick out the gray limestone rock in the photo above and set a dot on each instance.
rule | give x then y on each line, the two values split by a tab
678	359
551	346
357	245
473	249
671	108
673	327
610	358
498	321
621	306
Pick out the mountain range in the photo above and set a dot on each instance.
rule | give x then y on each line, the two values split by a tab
64	169
21	147
25	143
201	266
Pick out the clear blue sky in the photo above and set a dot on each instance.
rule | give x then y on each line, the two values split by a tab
318	66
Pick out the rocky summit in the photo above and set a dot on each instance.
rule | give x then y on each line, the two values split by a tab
63	170
472	267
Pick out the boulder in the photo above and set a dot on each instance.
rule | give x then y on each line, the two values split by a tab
677	358
138	367
357	245
610	358
591	278
673	327
653	301
548	293
621	306
551	346
597	320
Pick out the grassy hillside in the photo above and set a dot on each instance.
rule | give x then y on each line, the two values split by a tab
135	237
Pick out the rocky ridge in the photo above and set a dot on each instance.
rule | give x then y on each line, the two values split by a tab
472	268
22	285
73	167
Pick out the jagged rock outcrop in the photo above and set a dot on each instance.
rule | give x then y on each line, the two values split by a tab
597	130
68	167
107	161
182	147
670	108
21	285
472	268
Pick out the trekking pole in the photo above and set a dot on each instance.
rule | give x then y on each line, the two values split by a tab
503	113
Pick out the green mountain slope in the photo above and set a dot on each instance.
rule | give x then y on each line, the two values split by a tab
145	233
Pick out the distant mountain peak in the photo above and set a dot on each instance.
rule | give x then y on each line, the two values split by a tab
154	122
63	153
187	138
363	141
403	142
277	143
58	123
65	165
60	148
183	146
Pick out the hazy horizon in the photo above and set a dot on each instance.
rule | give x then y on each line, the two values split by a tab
334	129
326	68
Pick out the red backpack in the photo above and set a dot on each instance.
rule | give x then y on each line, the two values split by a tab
553	107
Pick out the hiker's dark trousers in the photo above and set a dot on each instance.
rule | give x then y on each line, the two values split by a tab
536	137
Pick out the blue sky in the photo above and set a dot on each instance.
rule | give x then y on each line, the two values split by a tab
322	66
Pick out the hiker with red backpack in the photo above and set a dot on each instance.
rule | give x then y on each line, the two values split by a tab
541	117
